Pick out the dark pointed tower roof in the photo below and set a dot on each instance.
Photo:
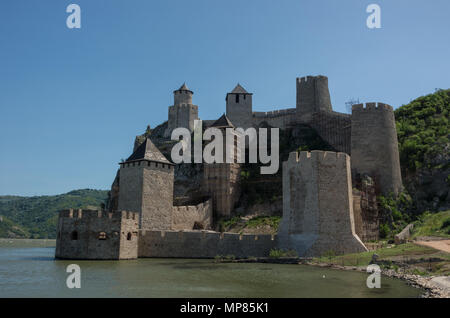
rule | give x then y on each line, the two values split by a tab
184	88
239	90
149	152
223	122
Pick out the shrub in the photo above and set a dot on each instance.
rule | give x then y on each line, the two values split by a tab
278	253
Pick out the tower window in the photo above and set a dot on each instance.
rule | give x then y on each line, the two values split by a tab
74	236
237	98
102	236
129	236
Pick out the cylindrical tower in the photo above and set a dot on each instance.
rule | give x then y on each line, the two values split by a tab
183	95
182	113
312	96
374	146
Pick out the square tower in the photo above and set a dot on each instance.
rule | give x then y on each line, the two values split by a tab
95	234
222	180
146	186
239	107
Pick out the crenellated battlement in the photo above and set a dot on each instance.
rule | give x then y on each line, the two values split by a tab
97	214
326	157
311	78
372	106
275	113
147	163
192	208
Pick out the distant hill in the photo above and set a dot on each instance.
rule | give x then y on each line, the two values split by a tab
36	217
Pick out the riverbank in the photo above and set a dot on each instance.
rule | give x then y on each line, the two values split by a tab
13	242
432	286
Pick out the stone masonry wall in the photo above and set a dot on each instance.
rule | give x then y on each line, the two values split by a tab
282	118
203	244
366	216
185	217
317	205
334	128
239	113
312	96
221	182
90	234
182	116
374	146
147	187
157	199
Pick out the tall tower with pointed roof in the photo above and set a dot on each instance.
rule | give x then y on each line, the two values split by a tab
221	180
183	112
146	186
239	107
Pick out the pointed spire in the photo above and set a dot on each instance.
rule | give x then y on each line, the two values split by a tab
184	88
239	90
223	122
148	151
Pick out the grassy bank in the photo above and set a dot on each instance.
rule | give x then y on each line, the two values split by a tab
411	258
433	224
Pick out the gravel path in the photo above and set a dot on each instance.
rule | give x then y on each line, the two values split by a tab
442	245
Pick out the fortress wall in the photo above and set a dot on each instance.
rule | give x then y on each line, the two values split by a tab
88	226
203	244
334	128
374	146
184	217
278	118
317	205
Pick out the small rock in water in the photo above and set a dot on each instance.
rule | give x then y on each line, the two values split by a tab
323	276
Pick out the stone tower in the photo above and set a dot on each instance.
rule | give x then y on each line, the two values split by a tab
239	107
221	180
317	205
312	96
91	234
146	186
374	146
183	112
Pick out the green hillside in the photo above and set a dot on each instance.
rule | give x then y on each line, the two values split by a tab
423	130
424	143
36	217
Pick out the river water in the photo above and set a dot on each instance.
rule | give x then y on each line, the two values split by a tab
28	269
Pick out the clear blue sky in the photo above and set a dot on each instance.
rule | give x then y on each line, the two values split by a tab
73	100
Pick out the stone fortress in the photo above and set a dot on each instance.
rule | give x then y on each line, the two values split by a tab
328	198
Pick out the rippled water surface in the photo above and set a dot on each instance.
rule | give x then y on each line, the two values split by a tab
28	269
